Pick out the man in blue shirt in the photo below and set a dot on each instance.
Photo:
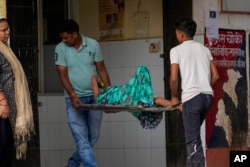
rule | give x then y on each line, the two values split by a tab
77	59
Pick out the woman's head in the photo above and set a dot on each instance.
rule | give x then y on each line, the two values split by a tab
4	30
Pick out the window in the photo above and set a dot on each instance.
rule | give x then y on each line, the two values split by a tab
51	13
54	12
237	7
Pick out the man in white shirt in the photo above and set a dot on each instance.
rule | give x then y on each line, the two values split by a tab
198	72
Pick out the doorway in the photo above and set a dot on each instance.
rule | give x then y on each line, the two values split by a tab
175	142
24	43
50	15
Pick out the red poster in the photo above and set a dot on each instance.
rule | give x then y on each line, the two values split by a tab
227	121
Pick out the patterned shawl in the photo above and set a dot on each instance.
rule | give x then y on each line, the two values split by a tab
23	118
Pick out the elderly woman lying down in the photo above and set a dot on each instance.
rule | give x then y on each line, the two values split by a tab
137	91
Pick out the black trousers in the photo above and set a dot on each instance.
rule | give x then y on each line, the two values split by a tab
6	143
194	113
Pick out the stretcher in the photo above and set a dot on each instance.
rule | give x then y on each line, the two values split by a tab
119	107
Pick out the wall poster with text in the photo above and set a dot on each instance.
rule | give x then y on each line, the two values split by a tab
227	121
111	19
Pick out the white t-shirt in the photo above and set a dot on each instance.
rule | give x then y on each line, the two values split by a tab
194	64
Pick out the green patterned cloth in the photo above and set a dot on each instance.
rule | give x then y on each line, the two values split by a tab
138	91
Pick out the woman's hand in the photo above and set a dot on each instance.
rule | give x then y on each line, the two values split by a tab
4	108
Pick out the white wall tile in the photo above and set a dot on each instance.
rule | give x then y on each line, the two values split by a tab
155	59
105	139
114	54
104	157
140	128
114	117
64	156
117	156
62	110
199	38
117	137
142	53
144	138
95	153
158	157
159	94
43	109
53	109
144	158
128	53
130	158
54	142
159	135
44	158
130	135
66	139
55	158
157	77
115	75
127	74
106	117
44	137
127	116
104	49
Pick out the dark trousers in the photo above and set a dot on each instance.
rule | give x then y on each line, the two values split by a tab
194	113
6	143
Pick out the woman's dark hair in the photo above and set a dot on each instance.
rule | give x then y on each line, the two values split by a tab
188	26
3	20
68	26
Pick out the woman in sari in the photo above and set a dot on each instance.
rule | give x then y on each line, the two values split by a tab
137	91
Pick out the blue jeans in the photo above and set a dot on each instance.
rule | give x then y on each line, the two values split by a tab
85	128
194	113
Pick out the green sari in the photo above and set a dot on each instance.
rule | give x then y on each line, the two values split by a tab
137	91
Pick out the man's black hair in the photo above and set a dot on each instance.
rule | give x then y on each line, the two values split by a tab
69	26
188	26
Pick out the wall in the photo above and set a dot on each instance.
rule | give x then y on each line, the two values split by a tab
89	23
228	21
217	157
87	10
